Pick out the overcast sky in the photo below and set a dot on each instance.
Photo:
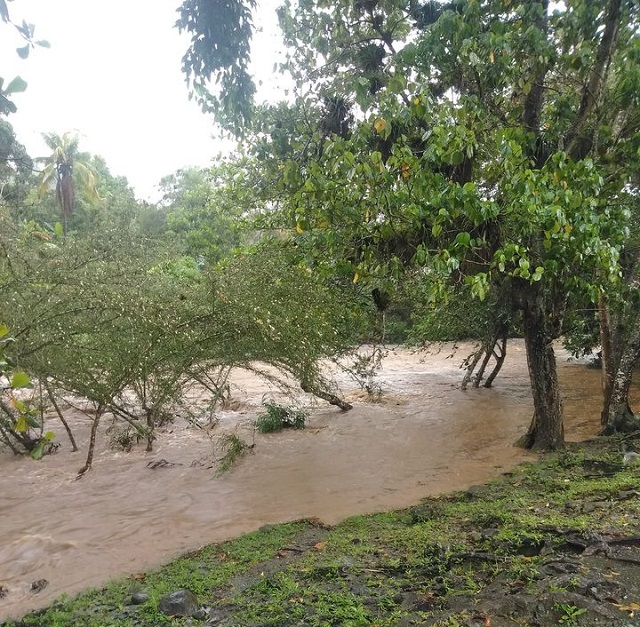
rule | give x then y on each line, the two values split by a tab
113	74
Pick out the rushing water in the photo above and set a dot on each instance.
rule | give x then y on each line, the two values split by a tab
424	437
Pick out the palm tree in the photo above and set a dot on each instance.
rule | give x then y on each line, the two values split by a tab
66	167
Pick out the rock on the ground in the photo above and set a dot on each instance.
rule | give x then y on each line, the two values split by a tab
138	598
179	603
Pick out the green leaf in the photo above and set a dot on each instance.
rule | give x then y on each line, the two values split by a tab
6	106
4	329
43	43
464	239
20	380
32	421
17	85
38	451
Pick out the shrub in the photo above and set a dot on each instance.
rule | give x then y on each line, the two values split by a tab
279	417
233	448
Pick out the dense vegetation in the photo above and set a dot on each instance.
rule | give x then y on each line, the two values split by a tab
476	160
481	148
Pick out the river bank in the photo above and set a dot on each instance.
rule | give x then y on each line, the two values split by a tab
136	510
553	542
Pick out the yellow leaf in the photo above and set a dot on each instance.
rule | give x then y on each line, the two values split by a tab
627	607
21	425
380	124
356	276
299	229
491	57
416	101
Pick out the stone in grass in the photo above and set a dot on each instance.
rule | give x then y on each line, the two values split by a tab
180	603
138	598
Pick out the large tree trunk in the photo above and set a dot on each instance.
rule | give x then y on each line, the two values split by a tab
620	418
546	431
608	362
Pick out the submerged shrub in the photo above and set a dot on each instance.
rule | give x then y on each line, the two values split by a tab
278	417
233	448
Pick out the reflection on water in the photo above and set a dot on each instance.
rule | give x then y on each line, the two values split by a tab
425	437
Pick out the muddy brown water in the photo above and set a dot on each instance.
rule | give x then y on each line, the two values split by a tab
425	437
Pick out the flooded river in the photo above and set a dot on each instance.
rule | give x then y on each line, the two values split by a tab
424	437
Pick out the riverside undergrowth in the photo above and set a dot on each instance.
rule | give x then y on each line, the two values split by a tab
555	542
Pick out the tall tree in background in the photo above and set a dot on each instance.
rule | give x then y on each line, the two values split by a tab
66	169
205	221
15	167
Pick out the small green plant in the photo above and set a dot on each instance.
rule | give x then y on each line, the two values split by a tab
21	423
233	449
278	417
570	613
123	438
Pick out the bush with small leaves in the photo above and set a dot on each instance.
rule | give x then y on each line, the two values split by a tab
278	417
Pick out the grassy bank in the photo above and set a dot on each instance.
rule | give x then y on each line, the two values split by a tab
551	543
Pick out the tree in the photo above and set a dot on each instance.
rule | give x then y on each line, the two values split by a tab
15	167
206	222
620	334
116	319
483	151
220	49
66	169
96	317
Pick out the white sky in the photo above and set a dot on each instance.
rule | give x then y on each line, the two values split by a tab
113	74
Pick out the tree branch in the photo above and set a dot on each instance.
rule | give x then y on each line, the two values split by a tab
593	88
